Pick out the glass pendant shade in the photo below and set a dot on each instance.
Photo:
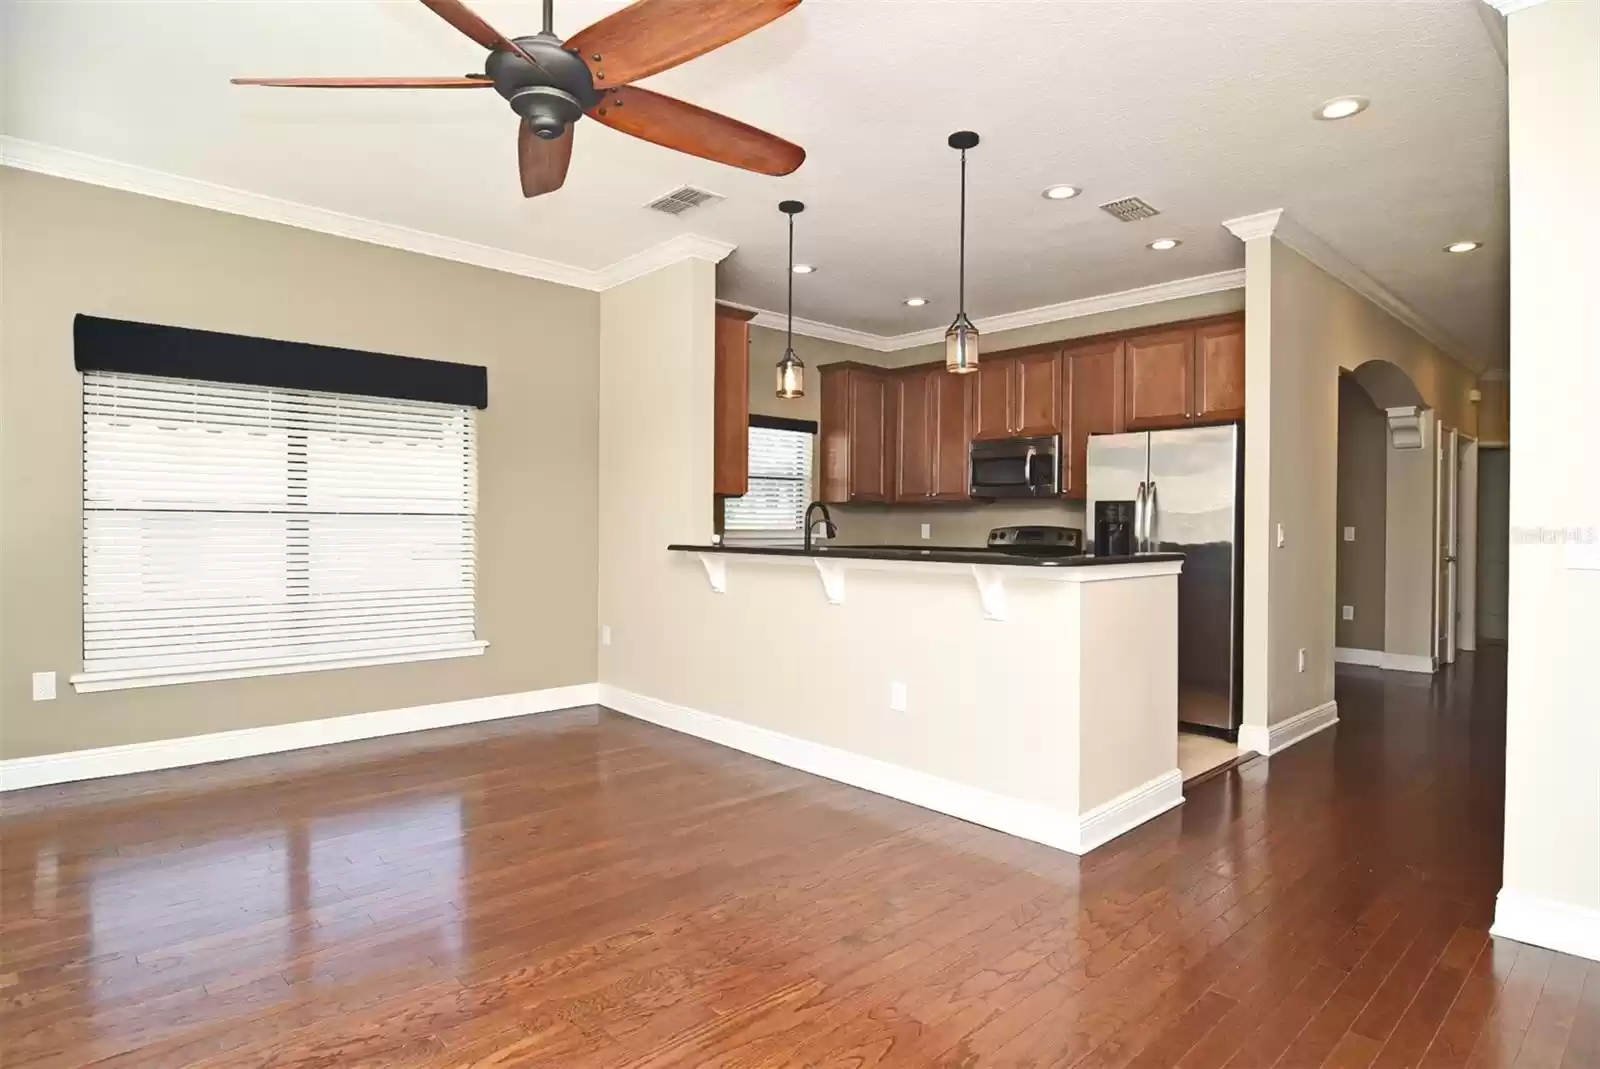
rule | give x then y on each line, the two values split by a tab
961	346
791	376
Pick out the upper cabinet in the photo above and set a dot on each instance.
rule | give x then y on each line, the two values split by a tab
1017	396
1159	379
1219	371
730	451
1092	376
857	413
932	435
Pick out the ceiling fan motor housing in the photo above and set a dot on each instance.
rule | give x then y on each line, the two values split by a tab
551	95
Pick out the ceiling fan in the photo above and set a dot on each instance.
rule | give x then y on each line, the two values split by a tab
551	84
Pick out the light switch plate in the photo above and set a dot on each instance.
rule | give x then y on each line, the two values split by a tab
1280	536
1348	612
44	686
1349	534
927	530
605	634
897	697
1302	660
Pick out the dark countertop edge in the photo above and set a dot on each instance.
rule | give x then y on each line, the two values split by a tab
944	556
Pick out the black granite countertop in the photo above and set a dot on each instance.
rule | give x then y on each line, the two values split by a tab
943	554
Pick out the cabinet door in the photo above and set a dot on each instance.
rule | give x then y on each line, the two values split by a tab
1036	394
730	414
1219	372
834	435
869	404
913	438
952	434
1094	383
992	408
1160	379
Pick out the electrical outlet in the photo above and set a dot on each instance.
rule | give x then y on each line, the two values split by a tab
605	634
44	686
1347	612
927	530
1280	536
897	697
1302	660
1349	534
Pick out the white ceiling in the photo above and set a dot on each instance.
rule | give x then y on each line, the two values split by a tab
1202	108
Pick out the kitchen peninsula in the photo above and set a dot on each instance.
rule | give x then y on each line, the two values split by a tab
1035	695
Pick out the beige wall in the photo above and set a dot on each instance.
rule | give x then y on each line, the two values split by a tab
1552	842
1494	411
1362	504
72	248
1303	327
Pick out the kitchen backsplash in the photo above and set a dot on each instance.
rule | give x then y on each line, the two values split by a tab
951	525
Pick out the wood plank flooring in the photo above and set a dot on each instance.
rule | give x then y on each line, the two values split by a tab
580	889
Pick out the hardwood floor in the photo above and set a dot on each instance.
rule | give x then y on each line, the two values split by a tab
580	889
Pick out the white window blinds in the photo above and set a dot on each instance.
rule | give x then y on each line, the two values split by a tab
237	530
780	485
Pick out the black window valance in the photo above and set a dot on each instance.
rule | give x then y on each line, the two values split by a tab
179	352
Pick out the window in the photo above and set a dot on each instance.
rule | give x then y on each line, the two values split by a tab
242	530
780	481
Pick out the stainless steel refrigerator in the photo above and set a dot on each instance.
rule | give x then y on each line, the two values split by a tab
1187	496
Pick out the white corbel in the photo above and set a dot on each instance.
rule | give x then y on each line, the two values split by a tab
991	590
832	573
716	571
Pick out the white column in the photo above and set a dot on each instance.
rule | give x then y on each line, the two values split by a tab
1551	892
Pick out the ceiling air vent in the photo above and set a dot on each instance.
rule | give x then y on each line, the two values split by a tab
1129	209
682	199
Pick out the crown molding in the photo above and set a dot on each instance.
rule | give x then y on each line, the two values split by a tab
1279	224
1198	285
96	170
1509	7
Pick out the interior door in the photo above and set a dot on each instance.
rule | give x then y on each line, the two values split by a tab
1494	536
1450	542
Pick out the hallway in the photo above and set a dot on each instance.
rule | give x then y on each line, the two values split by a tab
581	889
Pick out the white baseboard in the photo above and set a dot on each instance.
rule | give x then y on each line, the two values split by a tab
1547	923
21	772
1026	820
1393	662
1275	738
1127	811
1408	662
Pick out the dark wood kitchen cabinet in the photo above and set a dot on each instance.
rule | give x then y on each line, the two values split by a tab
1219	371
1092	376
1159	379
1017	396
933	435
857	416
730	412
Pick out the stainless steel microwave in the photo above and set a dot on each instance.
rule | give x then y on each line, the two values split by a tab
1016	467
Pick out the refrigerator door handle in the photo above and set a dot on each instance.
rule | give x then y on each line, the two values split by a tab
1150	519
1138	520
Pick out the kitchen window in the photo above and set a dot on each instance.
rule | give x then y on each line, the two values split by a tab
235	530
774	506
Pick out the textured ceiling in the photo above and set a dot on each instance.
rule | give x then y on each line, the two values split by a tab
1202	108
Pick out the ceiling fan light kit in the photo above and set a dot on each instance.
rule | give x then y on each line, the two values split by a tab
961	340
791	372
551	83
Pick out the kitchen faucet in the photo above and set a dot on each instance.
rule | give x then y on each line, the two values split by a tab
829	530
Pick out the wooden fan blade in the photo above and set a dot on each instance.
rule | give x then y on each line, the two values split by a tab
369	83
471	23
543	163
688	128
651	35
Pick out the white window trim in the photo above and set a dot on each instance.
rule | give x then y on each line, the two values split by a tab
93	682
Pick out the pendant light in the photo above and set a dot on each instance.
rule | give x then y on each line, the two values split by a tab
961	340
791	372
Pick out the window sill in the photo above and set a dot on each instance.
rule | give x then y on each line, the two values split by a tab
92	682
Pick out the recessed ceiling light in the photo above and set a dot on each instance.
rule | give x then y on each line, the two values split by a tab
1061	192
802	269
916	302
1463	246
1163	244
1341	107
